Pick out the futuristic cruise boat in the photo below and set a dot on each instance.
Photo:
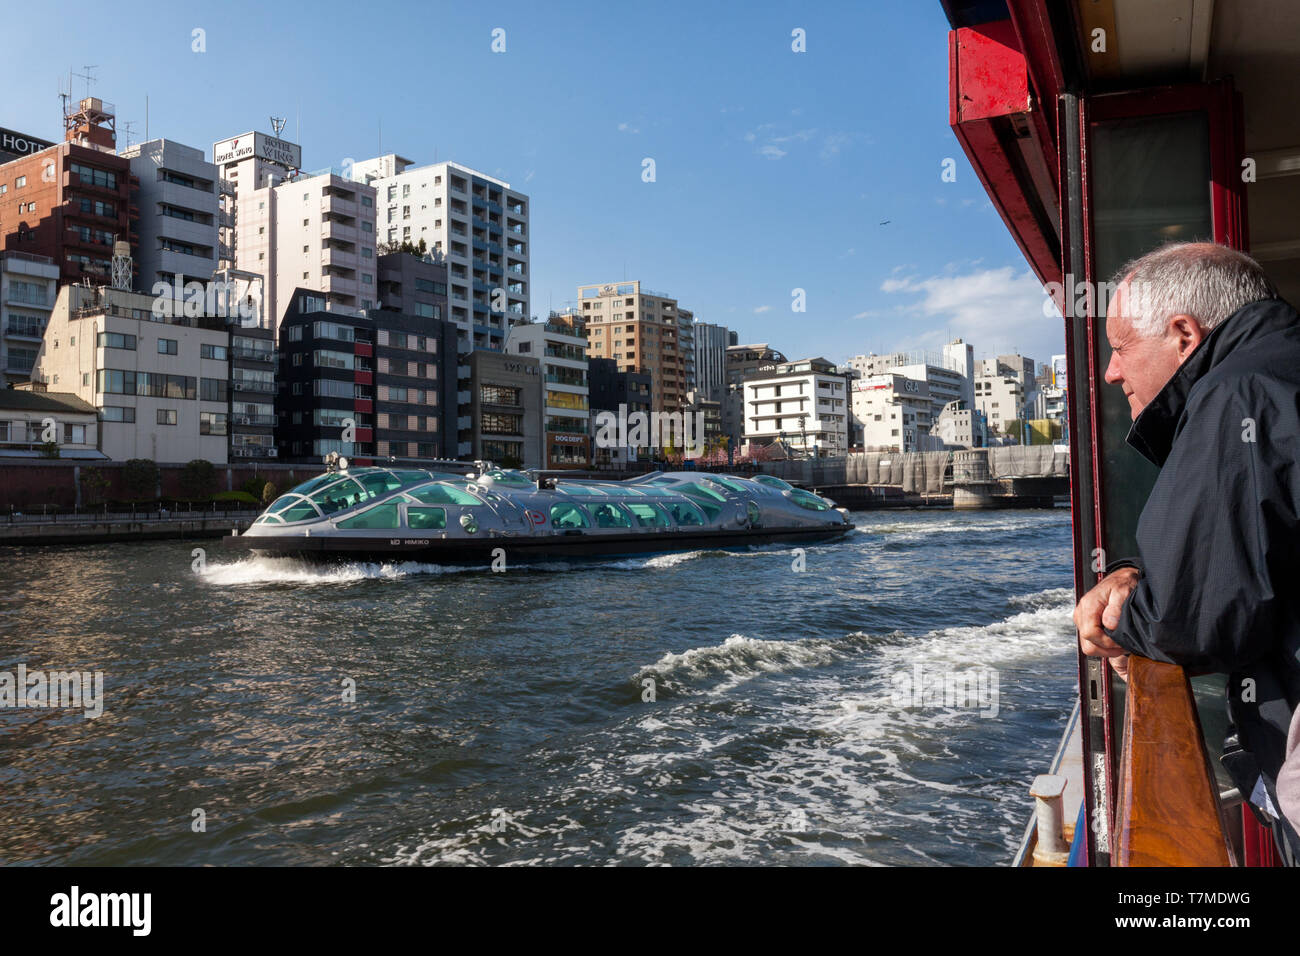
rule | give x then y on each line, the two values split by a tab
412	514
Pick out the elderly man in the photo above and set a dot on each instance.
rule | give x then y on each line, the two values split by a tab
1209	359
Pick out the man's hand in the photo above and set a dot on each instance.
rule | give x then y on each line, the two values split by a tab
1100	608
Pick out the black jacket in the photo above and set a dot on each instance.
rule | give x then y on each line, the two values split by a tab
1219	538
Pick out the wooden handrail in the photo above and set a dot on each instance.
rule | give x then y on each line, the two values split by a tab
1168	803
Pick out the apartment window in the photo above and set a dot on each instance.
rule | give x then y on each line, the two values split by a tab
20	182
217	352
118	413
116	340
367	226
367	202
212	423
166	346
166	416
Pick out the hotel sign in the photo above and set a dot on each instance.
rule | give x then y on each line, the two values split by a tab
258	145
15	145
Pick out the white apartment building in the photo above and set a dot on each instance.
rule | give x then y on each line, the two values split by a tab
999	394
895	412
476	222
160	385
949	374
249	167
960	426
561	347
179	226
323	228
804	404
28	286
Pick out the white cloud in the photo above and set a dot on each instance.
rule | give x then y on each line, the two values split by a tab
628	128
763	308
996	310
771	152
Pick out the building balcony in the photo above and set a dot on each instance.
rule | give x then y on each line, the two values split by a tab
338	259
339	231
249	385
338	206
259	421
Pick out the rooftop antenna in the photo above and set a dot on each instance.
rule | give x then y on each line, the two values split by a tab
127	129
88	76
277	124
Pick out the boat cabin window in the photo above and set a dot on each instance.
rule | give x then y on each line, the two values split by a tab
442	494
647	516
806	499
610	516
281	503
407	477
340	495
307	487
301	511
380	482
380	516
685	513
567	516
423	518
773	482
729	483
510	479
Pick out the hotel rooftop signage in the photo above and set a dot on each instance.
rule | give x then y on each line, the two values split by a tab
259	145
17	145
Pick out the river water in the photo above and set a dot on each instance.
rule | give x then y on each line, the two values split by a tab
698	708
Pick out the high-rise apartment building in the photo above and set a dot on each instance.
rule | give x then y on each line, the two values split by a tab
178	225
477	222
640	330
373	386
711	343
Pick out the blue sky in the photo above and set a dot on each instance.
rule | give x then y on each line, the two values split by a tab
774	169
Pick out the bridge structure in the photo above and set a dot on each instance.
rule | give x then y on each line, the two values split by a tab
1009	476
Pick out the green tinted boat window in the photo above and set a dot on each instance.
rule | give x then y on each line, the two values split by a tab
379	483
685	513
284	501
381	516
610	516
421	518
773	482
806	499
647	516
566	517
444	495
300	512
339	496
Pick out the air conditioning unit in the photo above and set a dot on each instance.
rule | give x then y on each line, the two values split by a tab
272	452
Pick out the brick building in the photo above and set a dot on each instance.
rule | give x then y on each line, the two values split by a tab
72	201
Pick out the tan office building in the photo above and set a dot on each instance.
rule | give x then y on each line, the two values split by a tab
641	330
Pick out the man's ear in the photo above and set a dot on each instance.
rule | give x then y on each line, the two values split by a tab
1188	333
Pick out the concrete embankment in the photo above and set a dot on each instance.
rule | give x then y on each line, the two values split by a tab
116	529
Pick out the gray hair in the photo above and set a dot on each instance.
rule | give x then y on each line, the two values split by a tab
1204	280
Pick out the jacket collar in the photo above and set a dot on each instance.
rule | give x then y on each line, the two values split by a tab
1156	426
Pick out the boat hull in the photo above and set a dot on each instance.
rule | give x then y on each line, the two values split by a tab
409	547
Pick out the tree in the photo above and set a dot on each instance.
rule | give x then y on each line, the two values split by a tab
197	478
140	478
95	483
269	493
50	449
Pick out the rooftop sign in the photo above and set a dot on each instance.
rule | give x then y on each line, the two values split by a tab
258	145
